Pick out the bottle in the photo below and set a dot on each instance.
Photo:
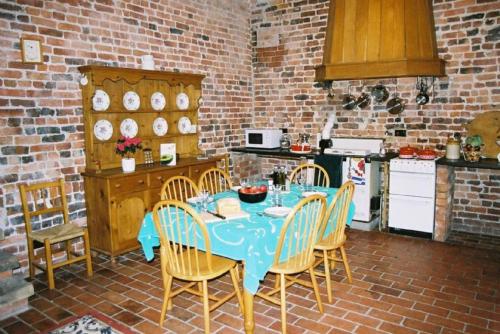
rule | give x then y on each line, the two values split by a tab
285	140
282	176
453	148
274	175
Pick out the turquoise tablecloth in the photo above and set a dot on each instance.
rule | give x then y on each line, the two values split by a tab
252	240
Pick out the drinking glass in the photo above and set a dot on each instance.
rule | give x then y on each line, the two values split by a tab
204	195
277	199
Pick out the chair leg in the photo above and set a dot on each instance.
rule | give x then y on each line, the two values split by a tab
234	277
276	281
328	279
31	258
316	289
68	249
48	260
206	309
283	302
87	252
166	297
346	265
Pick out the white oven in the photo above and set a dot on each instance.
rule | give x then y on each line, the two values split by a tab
412	189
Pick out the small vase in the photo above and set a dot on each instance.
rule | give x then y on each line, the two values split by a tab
128	165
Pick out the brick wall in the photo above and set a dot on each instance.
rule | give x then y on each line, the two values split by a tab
40	105
288	42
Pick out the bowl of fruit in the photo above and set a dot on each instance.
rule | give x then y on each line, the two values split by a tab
252	194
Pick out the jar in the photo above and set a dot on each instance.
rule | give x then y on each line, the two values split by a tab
285	140
453	149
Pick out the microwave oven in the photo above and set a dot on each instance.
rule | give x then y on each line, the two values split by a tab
262	138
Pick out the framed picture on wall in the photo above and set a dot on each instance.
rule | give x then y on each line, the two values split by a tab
31	50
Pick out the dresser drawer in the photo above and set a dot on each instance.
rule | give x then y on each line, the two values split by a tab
128	184
158	178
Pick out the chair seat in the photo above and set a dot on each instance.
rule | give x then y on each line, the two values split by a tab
220	265
58	233
329	243
291	266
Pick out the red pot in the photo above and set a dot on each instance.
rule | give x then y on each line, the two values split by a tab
426	154
407	152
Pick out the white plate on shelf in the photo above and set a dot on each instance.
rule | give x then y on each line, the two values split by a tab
131	101
184	125
160	126
103	130
312	193
100	100
182	101
158	101
277	211
129	128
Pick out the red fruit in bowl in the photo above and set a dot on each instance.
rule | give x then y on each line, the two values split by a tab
254	189
263	188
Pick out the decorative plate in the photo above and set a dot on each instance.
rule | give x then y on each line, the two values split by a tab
131	101
160	126
128	128
182	101
158	101
184	125
103	130
100	100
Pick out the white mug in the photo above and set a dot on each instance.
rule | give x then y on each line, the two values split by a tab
148	62
498	157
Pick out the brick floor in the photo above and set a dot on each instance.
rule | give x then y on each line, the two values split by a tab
401	285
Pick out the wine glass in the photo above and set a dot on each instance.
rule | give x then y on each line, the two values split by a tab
204	196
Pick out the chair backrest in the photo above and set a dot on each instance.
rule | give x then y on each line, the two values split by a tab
299	233
44	200
215	181
184	240
337	212
179	188
310	173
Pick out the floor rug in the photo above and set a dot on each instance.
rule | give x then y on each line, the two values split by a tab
90	322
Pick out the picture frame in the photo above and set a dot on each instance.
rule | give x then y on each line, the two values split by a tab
31	50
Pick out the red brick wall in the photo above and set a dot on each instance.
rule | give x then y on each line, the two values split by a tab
40	105
288	42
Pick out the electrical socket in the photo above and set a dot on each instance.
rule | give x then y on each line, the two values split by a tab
400	133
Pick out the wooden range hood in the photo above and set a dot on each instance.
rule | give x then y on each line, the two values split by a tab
379	39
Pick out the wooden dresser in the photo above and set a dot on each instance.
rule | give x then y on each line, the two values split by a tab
116	201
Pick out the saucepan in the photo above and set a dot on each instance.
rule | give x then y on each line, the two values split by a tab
396	105
349	101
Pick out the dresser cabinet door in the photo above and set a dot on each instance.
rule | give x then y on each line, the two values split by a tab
126	219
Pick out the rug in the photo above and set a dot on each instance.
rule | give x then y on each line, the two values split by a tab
92	322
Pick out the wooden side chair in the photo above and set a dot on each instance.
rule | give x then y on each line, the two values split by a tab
312	173
295	251
336	217
174	221
179	188
215	180
43	201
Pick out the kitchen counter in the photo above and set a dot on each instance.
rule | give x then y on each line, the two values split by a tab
483	163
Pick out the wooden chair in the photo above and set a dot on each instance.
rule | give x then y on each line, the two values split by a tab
294	253
43	201
214	181
326	248
185	261
311	173
179	188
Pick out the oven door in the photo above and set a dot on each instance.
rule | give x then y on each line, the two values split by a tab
412	184
411	213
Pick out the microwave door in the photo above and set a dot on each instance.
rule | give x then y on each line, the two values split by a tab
255	138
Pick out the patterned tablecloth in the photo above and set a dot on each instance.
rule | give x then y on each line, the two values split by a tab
252	240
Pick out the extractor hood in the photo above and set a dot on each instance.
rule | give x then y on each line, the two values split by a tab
379	39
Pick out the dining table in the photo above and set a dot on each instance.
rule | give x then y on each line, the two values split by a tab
252	239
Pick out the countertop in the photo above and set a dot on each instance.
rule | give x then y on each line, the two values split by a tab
483	163
277	152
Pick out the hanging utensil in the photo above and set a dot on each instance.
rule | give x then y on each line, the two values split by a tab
396	105
349	101
363	100
380	93
422	97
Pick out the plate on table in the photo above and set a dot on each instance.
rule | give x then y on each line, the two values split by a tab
131	101
235	188
158	101
103	129
184	125
311	193
277	211
160	126
128	128
198	199
182	101
100	100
